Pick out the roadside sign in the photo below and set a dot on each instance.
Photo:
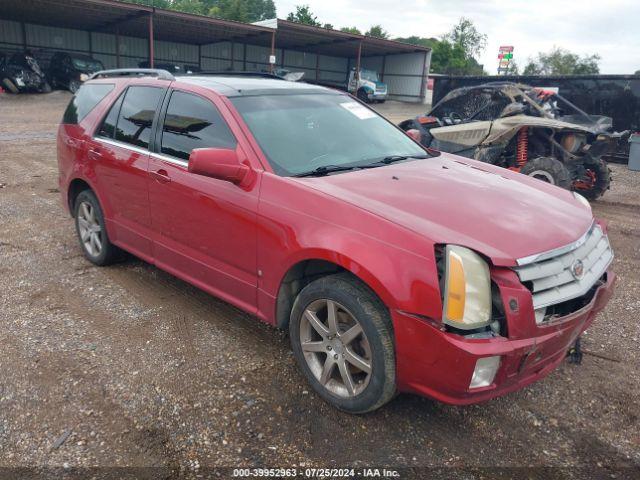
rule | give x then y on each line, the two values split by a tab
505	56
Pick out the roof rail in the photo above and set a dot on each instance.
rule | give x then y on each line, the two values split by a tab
140	72
236	73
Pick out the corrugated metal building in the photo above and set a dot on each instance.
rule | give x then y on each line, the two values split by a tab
125	35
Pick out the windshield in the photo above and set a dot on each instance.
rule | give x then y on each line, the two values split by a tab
87	64
370	75
299	133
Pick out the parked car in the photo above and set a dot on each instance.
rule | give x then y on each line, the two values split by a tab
533	131
393	267
21	73
69	70
367	86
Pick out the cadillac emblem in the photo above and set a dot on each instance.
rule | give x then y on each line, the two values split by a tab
577	269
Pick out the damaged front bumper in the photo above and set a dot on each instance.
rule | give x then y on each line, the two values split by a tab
441	365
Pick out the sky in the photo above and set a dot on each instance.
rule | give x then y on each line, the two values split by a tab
610	28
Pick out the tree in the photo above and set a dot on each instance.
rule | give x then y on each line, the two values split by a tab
560	61
303	14
188	6
353	30
465	34
377	31
241	10
328	26
455	53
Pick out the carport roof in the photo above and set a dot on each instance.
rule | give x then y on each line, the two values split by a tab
132	19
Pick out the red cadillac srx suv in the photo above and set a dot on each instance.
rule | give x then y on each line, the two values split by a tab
394	268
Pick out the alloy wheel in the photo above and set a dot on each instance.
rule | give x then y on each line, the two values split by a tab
543	175
90	229
335	348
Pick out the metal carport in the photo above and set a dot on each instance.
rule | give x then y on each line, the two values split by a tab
123	35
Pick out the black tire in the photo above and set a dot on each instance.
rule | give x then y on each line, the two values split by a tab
9	85
45	87
601	180
74	86
362	96
381	101
548	170
108	253
373	317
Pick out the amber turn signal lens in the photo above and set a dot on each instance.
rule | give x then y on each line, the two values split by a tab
455	288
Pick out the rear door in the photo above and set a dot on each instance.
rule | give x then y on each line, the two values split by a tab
120	156
205	229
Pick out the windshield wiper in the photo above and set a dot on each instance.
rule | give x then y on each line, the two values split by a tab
396	158
326	169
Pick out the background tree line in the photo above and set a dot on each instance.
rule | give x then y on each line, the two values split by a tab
454	53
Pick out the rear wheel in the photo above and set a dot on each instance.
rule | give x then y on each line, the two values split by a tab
342	339
548	170
596	182
91	230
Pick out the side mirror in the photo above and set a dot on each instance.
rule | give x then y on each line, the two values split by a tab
414	134
221	163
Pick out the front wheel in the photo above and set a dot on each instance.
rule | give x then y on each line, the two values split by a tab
362	96
548	170
342	339
74	86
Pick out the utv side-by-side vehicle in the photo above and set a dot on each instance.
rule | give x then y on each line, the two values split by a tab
530	130
21	73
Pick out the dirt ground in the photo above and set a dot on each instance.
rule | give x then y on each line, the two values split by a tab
127	366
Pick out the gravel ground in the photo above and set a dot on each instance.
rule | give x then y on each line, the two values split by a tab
127	366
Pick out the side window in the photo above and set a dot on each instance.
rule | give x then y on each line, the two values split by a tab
136	115
85	100
108	127
193	122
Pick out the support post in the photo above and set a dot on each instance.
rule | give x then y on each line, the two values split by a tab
317	67
384	64
244	57
357	72
90	43
273	49
117	47
200	56
423	83
23	31
151	51
233	48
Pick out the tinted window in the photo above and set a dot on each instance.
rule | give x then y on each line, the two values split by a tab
193	122
85	100
136	115
108	127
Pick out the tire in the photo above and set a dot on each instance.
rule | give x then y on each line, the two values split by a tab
90	224
74	86
347	352
8	83
45	88
381	101
601	180
362	96
548	170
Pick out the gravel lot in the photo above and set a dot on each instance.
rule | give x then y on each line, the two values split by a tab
127	366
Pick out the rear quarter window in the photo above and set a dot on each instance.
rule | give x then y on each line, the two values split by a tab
85	100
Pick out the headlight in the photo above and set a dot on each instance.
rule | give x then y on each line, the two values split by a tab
84	77
582	200
467	289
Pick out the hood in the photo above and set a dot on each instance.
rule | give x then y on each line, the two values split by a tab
449	199
505	128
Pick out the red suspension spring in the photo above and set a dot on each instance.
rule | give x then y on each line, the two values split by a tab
523	146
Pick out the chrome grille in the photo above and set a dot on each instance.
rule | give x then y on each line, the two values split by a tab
566	273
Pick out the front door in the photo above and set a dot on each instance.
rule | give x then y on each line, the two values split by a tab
205	229
119	154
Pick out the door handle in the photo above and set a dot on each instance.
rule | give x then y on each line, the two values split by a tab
95	153
160	175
